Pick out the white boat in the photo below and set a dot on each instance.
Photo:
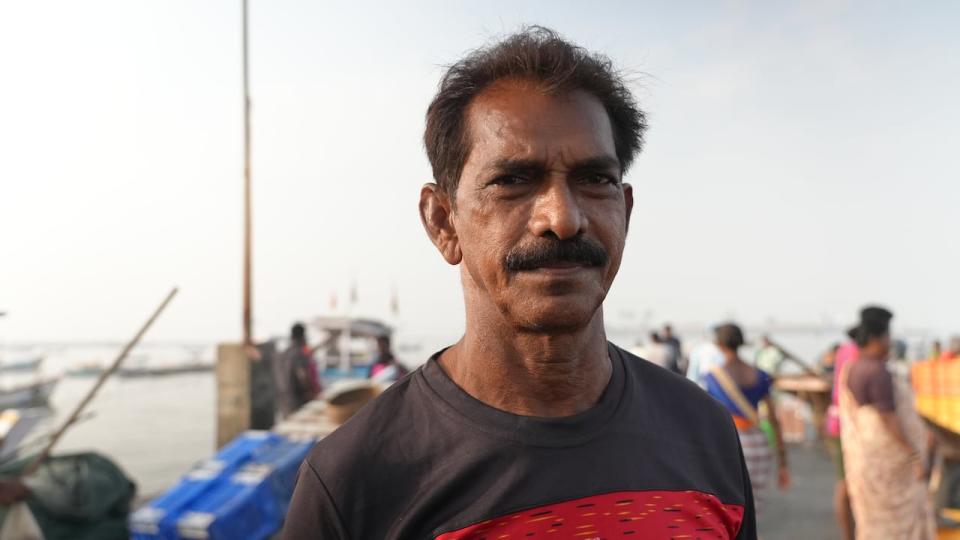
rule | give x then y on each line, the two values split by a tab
159	371
347	346
15	425
25	364
28	395
85	369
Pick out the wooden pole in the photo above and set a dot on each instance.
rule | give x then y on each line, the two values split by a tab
247	214
35	464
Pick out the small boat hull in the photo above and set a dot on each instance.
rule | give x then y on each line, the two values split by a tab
135	372
29	364
29	395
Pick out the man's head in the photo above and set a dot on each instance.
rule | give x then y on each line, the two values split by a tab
529	140
298	333
667	331
873	333
383	345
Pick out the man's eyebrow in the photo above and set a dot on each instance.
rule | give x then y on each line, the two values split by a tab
523	165
597	163
515	165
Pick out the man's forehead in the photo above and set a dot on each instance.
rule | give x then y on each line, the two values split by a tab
521	120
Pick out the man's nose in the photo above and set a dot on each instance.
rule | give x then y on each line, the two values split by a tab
557	211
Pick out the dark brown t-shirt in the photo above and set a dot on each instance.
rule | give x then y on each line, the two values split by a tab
871	384
655	458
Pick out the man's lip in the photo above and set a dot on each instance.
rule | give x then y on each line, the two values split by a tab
561	268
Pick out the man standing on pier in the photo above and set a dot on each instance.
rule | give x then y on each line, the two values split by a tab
532	423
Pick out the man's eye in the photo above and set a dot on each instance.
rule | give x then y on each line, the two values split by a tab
599	179
509	180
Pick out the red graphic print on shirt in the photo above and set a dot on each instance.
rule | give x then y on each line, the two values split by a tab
623	514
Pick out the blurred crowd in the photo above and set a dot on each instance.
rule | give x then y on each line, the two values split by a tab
890	468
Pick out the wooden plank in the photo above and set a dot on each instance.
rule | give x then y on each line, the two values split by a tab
802	383
233	392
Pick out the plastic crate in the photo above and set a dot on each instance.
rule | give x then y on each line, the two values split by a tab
157	519
251	504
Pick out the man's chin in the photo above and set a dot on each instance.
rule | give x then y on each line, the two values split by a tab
558	315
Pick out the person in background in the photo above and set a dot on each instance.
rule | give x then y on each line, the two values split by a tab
297	381
675	362
386	368
883	441
741	388
702	359
657	352
845	354
935	350
829	358
898	350
769	357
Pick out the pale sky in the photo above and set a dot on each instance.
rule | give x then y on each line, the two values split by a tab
802	160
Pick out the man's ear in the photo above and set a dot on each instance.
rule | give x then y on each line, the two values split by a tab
628	201
436	214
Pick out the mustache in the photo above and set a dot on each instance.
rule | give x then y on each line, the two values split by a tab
577	250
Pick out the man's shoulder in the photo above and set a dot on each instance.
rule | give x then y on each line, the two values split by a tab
650	373
676	398
357	447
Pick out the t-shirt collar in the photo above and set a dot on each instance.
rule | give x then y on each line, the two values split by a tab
539	431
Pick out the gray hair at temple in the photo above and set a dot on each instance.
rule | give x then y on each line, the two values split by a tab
538	54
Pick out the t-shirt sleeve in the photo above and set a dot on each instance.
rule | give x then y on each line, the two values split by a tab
312	514
880	391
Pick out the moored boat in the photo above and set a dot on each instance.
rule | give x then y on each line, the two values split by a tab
15	426
347	346
140	371
25	364
87	369
33	394
159	371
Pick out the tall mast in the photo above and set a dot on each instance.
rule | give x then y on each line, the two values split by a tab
247	244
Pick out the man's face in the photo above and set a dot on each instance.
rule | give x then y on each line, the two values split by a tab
540	213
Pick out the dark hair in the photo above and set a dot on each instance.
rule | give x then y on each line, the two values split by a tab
729	335
298	332
538	54
874	323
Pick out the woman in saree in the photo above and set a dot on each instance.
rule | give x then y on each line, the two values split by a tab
883	442
741	388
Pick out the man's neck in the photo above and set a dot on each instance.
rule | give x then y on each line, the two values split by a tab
530	374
